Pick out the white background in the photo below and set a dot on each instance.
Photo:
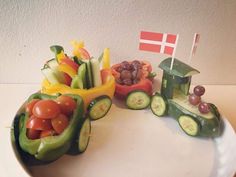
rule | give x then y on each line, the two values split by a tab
28	28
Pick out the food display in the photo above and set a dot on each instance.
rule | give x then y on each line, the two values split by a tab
195	117
133	76
50	126
78	74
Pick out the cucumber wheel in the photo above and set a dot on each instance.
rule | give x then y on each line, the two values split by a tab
158	105
81	141
137	100
99	107
189	125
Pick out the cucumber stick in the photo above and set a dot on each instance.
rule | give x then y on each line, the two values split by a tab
89	78
50	75
82	76
53	64
95	65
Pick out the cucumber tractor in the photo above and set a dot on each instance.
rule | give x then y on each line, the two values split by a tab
173	101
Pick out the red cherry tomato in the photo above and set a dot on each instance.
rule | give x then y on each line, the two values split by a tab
60	123
84	53
70	63
46	133
46	109
38	124
33	134
29	106
67	104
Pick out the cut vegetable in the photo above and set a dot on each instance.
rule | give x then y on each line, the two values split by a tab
189	125
89	74
95	65
106	59
76	82
84	135
137	100
50	75
158	105
99	107
53	64
82	76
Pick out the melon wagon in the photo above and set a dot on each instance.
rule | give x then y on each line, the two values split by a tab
173	101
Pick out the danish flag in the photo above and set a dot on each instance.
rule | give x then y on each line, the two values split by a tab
158	42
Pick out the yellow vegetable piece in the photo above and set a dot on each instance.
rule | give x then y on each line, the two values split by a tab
107	88
60	56
67	69
76	46
106	59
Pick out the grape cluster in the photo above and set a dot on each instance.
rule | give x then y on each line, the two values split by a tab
130	73
195	99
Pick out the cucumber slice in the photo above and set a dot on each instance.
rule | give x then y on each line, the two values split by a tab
50	75
99	107
189	125
158	105
95	65
81	141
137	100
76	83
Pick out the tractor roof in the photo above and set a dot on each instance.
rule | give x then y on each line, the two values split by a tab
179	68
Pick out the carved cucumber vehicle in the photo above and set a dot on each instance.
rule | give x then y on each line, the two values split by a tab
194	117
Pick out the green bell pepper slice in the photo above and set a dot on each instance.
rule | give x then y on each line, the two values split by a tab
51	148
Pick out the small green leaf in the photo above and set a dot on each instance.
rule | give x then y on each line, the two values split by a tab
100	58
56	49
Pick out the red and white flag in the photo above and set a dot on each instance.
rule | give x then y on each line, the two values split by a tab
158	42
194	46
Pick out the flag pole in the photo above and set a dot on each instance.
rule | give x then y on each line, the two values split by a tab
173	54
191	51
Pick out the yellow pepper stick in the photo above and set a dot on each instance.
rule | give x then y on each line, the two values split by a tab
67	69
60	56
106	59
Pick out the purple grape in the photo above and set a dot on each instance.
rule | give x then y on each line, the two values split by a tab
199	90
125	74
127	82
204	108
194	99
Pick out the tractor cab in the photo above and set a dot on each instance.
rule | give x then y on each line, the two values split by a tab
173	100
176	81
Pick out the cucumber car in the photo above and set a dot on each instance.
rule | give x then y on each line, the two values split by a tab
173	101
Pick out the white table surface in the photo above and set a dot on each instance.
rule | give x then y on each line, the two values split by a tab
13	95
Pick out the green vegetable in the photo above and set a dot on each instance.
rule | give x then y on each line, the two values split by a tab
76	82
50	75
81	141
56	49
53	147
99	107
89	74
53	64
82	75
158	105
95	65
137	100
189	125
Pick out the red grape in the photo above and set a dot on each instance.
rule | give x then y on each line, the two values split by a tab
199	90
204	107
125	74
194	99
127	82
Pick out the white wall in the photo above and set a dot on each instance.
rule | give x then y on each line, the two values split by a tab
29	27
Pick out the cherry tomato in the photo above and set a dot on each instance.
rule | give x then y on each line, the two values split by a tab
46	133
67	104
60	123
84	53
33	134
29	106
70	63
46	109
38	124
